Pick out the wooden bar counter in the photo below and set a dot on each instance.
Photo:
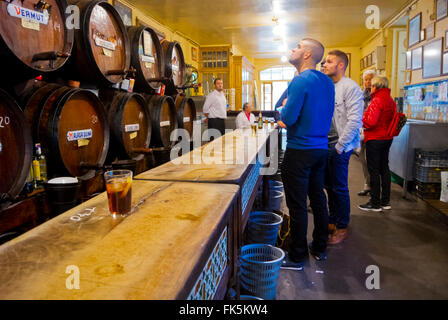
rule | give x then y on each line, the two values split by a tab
235	158
177	244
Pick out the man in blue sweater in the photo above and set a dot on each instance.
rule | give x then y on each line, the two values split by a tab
307	117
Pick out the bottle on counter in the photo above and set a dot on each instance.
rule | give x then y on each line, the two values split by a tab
38	179
260	121
42	163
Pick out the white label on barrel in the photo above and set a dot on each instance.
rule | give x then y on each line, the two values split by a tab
107	53
30	24
164	123
132	127
24	13
105	44
148	59
174	67
80	134
187	119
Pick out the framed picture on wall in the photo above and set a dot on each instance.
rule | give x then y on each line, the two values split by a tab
140	23
365	62
441	9
432	59
349	69
362	64
430	31
417	56
415	26
369	60
446	39
445	64
408	76
408	60
194	54
125	12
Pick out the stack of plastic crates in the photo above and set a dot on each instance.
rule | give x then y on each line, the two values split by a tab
428	166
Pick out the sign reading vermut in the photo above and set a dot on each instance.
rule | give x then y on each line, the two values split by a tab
80	134
24	13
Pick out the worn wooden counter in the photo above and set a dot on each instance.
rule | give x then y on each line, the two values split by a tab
235	158
177	244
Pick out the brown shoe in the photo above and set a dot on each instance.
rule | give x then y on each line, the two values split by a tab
338	236
331	229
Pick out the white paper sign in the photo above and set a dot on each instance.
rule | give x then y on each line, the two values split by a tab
105	44
24	13
132	127
80	134
164	124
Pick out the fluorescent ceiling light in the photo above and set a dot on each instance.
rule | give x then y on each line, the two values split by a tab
278	30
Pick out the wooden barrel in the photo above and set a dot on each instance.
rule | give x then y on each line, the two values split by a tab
102	49
146	58
186	113
130	124
72	127
163	120
15	148
174	66
38	45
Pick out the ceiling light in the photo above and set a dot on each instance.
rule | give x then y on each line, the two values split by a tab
278	30
276	7
284	59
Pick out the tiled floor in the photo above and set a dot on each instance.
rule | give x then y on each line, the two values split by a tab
409	245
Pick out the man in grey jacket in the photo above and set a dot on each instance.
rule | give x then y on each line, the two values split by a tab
343	138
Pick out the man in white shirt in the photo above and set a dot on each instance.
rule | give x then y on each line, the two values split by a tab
215	108
245	118
343	138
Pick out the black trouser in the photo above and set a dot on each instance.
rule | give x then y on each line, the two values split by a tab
303	173
218	124
377	154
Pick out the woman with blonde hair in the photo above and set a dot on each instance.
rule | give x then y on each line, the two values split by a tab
376	120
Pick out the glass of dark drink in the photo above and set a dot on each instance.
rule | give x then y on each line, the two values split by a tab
119	191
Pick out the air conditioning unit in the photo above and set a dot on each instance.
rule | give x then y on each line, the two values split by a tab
379	57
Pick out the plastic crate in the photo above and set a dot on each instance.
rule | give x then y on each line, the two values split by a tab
428	190
431	158
428	174
259	269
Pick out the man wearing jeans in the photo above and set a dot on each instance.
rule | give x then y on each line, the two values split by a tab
307	116
343	138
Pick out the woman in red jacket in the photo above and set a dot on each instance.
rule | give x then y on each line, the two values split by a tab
377	119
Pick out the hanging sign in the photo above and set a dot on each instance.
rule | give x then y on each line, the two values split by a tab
24	13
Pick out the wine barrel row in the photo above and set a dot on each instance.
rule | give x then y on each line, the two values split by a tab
100	52
80	132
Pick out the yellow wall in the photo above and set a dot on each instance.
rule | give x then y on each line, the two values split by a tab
426	7
171	35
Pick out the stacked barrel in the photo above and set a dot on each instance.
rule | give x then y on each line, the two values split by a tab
62	87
